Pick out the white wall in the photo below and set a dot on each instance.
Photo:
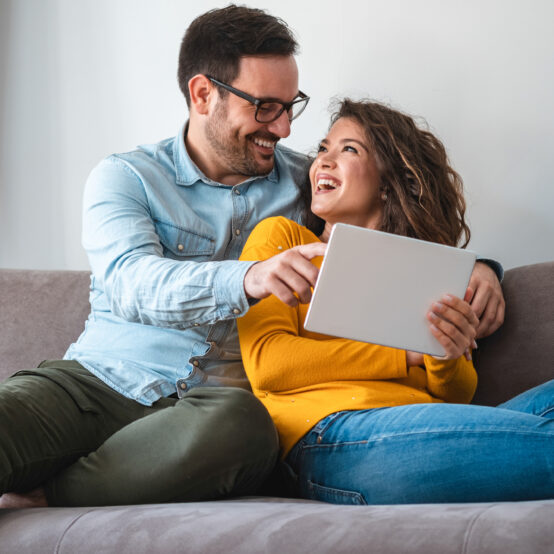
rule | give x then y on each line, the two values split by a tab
80	79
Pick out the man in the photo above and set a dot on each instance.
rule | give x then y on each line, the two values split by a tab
151	404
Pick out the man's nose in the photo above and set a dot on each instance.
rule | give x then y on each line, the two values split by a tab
281	126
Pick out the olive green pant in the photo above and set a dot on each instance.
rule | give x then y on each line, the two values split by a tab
65	430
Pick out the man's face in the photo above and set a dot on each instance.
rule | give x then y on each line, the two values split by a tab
243	146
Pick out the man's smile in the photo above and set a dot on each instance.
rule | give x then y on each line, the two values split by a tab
264	145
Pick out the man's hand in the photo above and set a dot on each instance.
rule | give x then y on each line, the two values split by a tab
485	296
285	274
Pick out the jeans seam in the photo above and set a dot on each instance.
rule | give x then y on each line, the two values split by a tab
415	433
314	487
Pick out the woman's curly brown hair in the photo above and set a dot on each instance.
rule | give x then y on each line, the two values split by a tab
423	195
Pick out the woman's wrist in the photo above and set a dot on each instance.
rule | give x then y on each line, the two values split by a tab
413	358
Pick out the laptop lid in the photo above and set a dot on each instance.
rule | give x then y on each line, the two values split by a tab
377	287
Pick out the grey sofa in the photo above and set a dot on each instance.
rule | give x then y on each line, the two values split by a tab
41	312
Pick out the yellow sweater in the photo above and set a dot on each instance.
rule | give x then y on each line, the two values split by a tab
301	376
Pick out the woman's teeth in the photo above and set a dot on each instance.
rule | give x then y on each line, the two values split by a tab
327	184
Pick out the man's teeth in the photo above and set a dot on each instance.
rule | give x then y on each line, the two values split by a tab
327	184
264	143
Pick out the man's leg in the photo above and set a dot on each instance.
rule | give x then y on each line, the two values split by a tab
427	453
45	425
212	443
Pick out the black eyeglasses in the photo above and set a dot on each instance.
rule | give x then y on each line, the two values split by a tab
268	110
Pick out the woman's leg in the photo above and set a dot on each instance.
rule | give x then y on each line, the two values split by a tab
427	453
537	401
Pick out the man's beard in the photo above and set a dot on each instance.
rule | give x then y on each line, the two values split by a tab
233	149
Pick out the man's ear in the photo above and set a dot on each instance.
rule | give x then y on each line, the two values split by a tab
202	94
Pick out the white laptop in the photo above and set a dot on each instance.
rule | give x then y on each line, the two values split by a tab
377	287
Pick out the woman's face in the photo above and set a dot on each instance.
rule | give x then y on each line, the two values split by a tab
345	178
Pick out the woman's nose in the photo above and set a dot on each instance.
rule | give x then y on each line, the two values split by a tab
325	159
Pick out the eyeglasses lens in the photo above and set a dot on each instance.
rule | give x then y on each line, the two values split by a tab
270	111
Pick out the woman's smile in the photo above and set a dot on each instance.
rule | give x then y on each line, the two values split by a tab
325	183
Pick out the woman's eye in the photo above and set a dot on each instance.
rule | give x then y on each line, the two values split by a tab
321	148
350	149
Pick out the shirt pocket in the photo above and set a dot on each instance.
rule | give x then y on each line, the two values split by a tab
180	243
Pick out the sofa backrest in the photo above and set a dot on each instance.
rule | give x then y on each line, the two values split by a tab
520	354
42	312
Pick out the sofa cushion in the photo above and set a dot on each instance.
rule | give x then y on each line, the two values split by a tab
282	526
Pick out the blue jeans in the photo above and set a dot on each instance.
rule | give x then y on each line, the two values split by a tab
431	453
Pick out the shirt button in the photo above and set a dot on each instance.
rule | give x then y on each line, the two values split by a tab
237	232
236	311
196	363
197	324
180	247
236	191
183	386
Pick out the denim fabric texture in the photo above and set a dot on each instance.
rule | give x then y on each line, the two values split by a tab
429	453
166	288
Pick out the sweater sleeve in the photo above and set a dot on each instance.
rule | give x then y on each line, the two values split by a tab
276	358
451	380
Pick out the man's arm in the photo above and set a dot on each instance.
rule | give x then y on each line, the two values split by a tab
290	276
486	300
126	257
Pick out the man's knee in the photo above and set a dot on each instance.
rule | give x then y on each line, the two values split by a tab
238	418
232	434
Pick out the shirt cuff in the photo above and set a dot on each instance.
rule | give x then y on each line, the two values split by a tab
495	266
229	289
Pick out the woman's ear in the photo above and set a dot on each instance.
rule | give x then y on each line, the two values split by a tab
202	94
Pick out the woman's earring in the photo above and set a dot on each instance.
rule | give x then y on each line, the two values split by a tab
384	196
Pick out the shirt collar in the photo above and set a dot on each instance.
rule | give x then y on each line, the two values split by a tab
188	173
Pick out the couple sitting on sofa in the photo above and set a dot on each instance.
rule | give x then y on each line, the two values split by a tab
149	404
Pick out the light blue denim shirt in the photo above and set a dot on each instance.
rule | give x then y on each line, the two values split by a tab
166	287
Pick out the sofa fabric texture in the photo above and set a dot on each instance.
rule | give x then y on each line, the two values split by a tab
42	312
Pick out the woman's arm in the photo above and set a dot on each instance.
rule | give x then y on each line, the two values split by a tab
454	324
276	357
453	381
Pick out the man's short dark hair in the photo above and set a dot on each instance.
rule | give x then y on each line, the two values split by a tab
215	42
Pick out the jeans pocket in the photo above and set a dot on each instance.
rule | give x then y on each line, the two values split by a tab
334	496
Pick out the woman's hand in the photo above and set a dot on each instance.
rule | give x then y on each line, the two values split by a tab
454	324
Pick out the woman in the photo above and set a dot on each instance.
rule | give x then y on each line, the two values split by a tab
362	423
